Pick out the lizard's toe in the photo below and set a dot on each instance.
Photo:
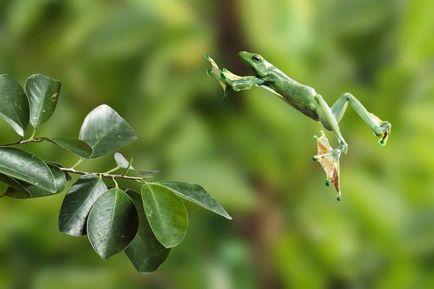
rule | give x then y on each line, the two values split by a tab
386	128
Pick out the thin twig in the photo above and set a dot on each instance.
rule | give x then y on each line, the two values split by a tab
104	175
24	141
31	140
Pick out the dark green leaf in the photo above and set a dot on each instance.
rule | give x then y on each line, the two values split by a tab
145	252
106	131
22	190
14	106
27	167
166	214
127	168
77	204
75	146
5	182
196	194
112	223
43	93
67	176
3	187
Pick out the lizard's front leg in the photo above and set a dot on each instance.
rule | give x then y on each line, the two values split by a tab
227	78
238	83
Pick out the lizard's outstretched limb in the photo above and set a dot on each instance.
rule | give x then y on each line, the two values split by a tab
227	78
380	128
329	161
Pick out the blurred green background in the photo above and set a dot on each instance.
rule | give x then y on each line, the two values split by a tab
250	150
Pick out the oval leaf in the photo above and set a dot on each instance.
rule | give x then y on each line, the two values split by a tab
196	194
60	166
27	167
106	131
3	188
76	146
43	93
112	223
166	214
77	204
14	107
22	190
145	252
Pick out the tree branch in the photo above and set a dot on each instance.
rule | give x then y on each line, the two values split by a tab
103	175
24	141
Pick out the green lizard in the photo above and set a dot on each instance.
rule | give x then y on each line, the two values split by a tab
306	100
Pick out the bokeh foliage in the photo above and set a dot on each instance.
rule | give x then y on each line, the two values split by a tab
250	150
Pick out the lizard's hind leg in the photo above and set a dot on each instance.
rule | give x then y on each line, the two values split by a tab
329	121
329	161
380	128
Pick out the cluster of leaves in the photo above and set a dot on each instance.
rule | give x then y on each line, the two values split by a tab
142	218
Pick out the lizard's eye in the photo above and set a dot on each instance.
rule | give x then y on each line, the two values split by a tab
255	58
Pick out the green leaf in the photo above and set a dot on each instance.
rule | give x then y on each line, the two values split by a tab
60	166
3	187
112	223
14	107
76	146
145	252
43	93
121	161
196	194
77	204
27	167
22	190
106	131
166	214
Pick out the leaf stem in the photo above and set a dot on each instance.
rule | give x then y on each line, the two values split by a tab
103	175
77	163
112	170
116	183
33	134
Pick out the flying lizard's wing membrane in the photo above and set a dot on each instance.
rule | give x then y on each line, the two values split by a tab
329	161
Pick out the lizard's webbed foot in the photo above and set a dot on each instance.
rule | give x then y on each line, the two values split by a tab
329	161
343	148
216	73
227	78
382	130
386	128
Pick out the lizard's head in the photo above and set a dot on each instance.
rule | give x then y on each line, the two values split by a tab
256	62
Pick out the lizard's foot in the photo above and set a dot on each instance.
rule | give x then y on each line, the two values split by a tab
385	128
382	129
343	148
329	161
216	73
